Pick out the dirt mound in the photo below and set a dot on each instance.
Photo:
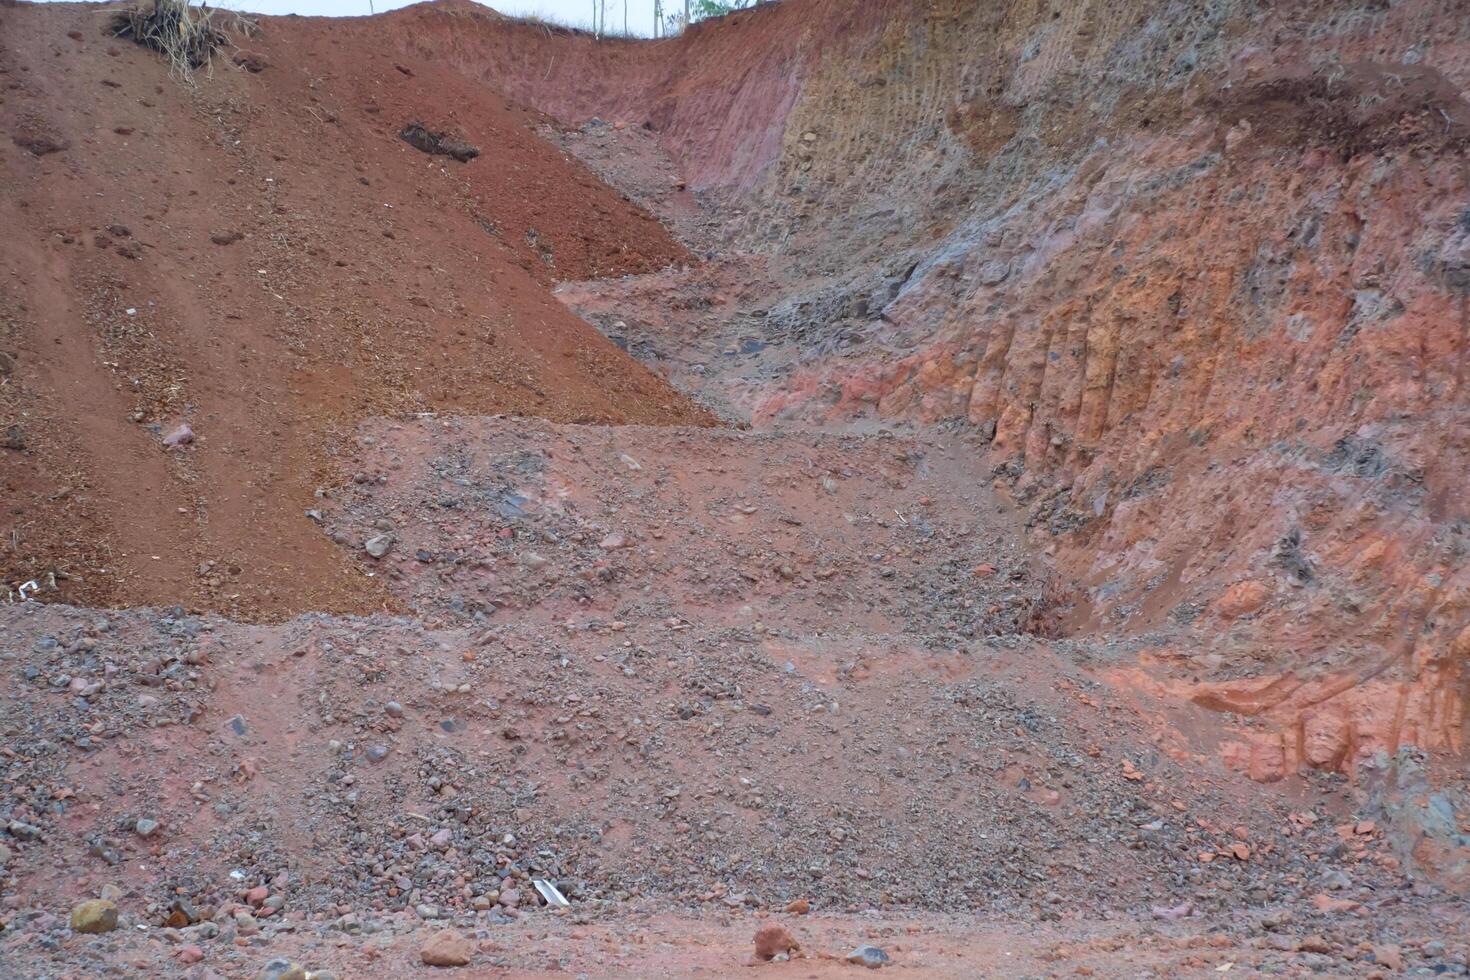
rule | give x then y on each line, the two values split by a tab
684	668
619	515
259	256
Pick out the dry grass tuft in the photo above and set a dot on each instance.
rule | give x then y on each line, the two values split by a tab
184	34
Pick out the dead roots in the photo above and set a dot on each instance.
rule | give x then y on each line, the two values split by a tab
183	34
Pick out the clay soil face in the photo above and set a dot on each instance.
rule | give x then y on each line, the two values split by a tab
259	256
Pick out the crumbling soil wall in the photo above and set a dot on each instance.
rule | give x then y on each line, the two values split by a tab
718	96
1219	348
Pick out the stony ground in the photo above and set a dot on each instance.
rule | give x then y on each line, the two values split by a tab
608	700
698	680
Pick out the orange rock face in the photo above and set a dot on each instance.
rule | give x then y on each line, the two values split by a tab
1242	599
1222	352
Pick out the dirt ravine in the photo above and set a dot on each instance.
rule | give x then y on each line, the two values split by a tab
909	486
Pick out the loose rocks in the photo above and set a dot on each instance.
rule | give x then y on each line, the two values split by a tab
771	940
446	948
283	969
95	916
869	956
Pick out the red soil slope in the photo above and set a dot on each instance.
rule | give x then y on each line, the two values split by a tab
1189	296
258	255
718	96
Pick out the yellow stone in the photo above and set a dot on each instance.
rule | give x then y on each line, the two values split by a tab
97	915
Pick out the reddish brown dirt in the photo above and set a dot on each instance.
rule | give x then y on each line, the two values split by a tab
1104	369
357	276
694	676
726	125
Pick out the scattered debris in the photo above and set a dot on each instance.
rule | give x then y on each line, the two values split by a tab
182	33
24	592
420	137
181	436
549	893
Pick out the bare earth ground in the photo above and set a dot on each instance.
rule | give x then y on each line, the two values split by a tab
451	595
693	676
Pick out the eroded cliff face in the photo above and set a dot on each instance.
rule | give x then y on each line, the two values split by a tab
1196	277
1216	335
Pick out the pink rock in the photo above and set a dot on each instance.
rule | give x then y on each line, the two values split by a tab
447	948
1242	599
1173	911
181	436
190	954
1325	735
772	939
257	895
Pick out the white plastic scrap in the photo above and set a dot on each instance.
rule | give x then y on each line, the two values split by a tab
550	894
23	592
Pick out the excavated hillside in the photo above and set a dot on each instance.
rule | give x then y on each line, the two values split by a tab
990	481
1199	275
